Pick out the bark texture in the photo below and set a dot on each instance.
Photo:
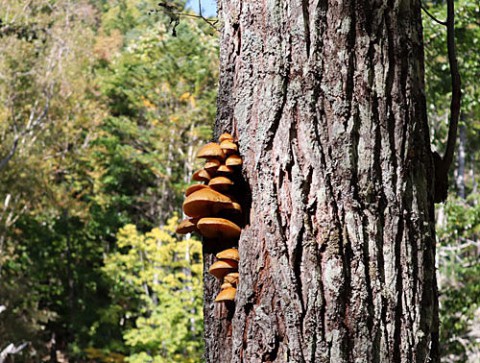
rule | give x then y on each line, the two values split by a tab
337	253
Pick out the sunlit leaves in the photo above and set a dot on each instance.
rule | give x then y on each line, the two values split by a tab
165	274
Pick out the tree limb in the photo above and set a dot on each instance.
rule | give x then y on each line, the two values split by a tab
431	16
6	159
442	164
456	84
11	349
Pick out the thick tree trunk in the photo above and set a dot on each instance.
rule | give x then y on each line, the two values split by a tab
337	253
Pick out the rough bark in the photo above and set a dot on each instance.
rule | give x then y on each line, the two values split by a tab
337	253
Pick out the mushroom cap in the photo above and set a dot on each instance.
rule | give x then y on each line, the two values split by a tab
224	169
211	165
234	160
188	225
223	267
205	202
231	278
218	228
201	175
211	150
234	205
228	147
226	285
229	254
194	188
220	183
225	136
227	294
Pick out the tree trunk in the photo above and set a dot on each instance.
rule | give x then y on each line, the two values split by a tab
460	172
338	248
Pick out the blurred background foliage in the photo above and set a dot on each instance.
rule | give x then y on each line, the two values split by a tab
101	111
458	220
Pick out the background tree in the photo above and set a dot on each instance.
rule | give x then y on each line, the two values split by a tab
338	251
458	220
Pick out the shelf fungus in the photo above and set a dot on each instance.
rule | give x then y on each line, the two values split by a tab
214	211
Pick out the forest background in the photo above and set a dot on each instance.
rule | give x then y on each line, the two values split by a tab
103	104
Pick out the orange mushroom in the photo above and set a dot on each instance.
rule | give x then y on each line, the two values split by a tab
223	267
225	136
211	150
231	278
227	294
229	254
220	183
218	228
188	225
234	160
224	169
194	188
201	175
211	165
228	147
226	285
205	202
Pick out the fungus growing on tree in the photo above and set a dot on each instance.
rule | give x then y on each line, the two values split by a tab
218	228
234	160
193	188
227	294
223	267
214	214
230	254
205	202
211	150
201	175
220	183
188	225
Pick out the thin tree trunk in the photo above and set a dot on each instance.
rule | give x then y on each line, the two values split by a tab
338	249
460	172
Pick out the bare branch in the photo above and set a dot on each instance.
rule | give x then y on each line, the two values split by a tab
13	149
442	164
11	349
431	16
456	86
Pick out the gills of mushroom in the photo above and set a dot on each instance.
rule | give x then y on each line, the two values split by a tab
227	294
229	254
223	267
205	202
218	228
211	150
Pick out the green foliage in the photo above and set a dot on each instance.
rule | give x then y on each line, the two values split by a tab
467	25
105	108
165	274
459	279
458	222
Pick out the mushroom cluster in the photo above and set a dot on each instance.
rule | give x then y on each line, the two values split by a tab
213	210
